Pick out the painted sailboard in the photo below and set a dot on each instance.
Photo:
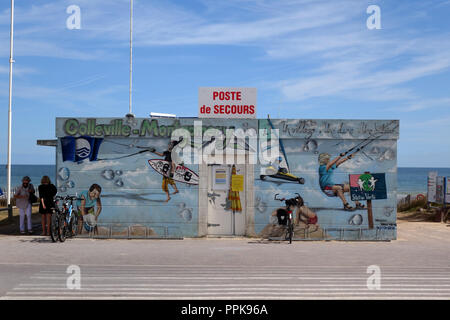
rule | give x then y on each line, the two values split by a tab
181	173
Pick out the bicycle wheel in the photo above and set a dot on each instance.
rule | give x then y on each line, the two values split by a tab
290	231
73	225
62	228
54	227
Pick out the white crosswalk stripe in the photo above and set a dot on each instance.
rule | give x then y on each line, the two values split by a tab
244	282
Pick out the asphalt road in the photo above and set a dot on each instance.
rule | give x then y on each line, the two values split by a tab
416	266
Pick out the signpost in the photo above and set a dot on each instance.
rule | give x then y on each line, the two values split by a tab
431	190
229	103
220	178
444	213
440	190
237	182
368	186
447	190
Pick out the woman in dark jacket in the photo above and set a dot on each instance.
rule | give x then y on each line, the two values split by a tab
47	192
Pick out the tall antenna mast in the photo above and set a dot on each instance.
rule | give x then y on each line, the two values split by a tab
130	113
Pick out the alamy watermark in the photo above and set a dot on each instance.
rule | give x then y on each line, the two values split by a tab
74	20
73	281
374	20
374	280
232	145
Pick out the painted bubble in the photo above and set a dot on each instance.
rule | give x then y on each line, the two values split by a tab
119	172
260	205
389	154
310	146
64	173
108	174
119	182
70	184
356	220
388	211
186	214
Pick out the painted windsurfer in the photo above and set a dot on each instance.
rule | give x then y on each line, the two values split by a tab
327	184
279	166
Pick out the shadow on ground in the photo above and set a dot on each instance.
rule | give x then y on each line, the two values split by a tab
12	227
34	239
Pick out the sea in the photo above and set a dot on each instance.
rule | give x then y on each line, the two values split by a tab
409	180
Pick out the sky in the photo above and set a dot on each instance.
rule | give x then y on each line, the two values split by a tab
310	59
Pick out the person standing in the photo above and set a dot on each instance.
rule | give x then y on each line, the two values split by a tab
22	195
47	192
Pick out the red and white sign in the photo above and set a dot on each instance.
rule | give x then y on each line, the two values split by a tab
231	103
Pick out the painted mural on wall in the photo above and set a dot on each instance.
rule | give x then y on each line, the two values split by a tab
141	185
145	183
316	159
134	173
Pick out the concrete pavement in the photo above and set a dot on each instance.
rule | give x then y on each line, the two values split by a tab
416	266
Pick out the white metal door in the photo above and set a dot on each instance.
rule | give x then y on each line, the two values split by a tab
221	219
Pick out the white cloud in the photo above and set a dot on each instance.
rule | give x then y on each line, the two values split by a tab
423	104
312	165
344	57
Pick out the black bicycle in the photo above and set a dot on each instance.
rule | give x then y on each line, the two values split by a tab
64	220
285	215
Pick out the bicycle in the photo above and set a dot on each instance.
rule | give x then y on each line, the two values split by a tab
286	213
64	221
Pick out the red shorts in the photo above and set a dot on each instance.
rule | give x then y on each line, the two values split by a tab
312	220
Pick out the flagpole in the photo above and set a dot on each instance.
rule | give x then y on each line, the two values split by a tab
131	58
11	61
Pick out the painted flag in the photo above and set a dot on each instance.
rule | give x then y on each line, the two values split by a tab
368	186
80	148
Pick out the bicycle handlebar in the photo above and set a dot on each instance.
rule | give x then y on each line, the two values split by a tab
67	198
284	199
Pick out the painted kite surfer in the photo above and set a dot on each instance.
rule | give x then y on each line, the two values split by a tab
328	185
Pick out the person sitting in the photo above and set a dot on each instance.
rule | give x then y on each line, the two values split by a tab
305	214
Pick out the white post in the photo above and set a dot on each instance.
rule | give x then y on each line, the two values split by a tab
11	61
131	53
